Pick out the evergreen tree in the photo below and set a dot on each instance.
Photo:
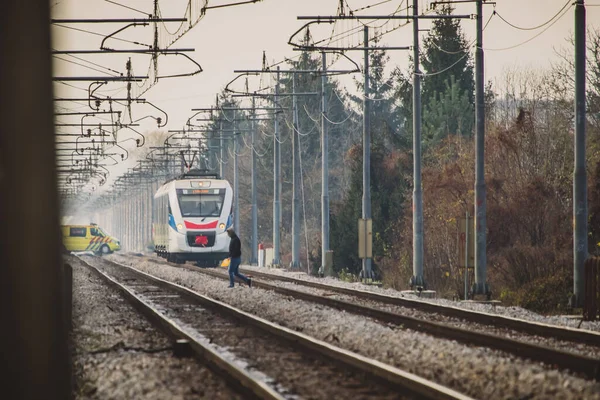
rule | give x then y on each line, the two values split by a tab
450	113
448	70
384	119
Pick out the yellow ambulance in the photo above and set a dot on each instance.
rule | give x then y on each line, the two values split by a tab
88	238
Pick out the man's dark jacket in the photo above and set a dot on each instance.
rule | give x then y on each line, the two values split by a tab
235	247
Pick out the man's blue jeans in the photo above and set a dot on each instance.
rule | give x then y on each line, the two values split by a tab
234	270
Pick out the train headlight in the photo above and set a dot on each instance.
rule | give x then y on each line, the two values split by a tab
222	226
179	227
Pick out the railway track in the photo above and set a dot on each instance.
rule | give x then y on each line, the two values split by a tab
264	359
365	304
587	366
528	327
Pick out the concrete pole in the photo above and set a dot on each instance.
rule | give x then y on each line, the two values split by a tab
236	197
366	198
120	224
417	279
142	219
128	217
324	169
480	286
580	207
132	221
467	228
34	334
295	181
135	226
222	149
276	179
254	251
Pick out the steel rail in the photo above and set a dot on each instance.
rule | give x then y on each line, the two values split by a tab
588	366
232	372
520	325
421	387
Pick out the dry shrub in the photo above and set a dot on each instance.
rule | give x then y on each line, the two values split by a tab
528	183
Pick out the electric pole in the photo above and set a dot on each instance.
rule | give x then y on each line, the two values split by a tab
254	258
580	207
417	280
366	197
236	196
480	286
295	180
324	170
276	180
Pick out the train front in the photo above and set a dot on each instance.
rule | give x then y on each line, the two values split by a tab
205	215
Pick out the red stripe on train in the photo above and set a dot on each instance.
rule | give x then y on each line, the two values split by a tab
210	225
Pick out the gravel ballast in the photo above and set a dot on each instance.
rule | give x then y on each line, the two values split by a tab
289	369
478	372
515	312
117	354
568	346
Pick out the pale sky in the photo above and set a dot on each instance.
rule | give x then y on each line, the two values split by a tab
235	38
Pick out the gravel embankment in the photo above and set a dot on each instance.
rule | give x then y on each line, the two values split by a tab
515	312
117	354
478	372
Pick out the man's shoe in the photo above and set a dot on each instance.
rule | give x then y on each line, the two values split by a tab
230	287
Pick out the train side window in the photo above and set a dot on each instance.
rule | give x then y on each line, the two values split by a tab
77	232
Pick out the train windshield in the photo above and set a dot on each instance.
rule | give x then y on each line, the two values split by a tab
201	202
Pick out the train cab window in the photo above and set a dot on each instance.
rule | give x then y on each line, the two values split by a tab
77	232
193	204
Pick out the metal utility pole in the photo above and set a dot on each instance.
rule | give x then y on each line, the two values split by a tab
254	251
276	179
580	208
295	181
480	286
417	279
236	197
222	149
366	198
324	169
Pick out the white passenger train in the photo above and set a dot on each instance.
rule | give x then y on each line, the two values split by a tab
190	217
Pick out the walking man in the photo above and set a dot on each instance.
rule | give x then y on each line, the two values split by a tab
235	258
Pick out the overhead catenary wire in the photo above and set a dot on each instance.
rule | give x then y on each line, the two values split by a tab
273	136
73	86
128	7
93	63
253	148
340	122
315	120
533	37
101	35
83	65
291	127
351	31
232	153
533	28
460	59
